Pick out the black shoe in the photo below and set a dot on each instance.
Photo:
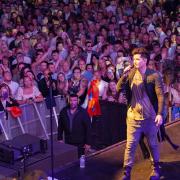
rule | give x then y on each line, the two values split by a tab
126	177
155	175
175	147
127	173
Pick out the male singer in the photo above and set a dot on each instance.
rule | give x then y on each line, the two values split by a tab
144	92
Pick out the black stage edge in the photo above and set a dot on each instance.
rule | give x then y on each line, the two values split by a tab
107	164
63	154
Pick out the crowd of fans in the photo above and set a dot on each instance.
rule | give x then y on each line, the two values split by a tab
75	41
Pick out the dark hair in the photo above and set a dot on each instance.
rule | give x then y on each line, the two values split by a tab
118	42
112	81
94	55
60	41
73	95
77	69
82	59
22	71
104	47
39	51
21	64
50	63
31	73
55	51
19	33
103	27
121	51
4	72
89	64
44	62
143	52
88	41
6	86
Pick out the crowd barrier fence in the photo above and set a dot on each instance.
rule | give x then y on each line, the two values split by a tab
35	120
107	129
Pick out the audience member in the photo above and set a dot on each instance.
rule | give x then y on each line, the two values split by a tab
29	93
46	83
76	43
6	99
62	84
7	79
75	123
111	94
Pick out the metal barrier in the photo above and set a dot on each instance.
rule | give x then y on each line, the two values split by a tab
34	120
107	129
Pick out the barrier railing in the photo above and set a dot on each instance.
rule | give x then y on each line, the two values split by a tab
34	120
107	129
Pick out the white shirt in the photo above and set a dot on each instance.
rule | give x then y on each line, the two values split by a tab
111	8
14	87
26	60
176	96
151	28
162	36
22	96
102	86
88	59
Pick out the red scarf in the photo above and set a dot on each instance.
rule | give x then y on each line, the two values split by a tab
15	111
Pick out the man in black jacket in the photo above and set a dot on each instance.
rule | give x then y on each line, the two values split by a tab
45	83
144	92
75	122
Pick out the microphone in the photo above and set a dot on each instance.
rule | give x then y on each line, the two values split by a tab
50	73
126	72
128	69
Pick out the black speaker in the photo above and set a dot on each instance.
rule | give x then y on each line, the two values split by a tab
43	145
21	146
6	154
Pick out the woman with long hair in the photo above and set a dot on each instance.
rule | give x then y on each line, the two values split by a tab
6	99
29	92
110	94
62	84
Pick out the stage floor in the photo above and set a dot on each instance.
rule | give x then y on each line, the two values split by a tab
107	166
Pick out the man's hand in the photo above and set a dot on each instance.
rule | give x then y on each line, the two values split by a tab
111	99
87	147
29	101
61	141
122	98
158	120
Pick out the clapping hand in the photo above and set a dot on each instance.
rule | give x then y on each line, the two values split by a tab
87	147
111	99
122	98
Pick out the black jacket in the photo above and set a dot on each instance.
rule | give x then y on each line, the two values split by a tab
81	127
44	89
153	85
10	103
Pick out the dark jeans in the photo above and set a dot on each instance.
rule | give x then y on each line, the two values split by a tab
80	147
